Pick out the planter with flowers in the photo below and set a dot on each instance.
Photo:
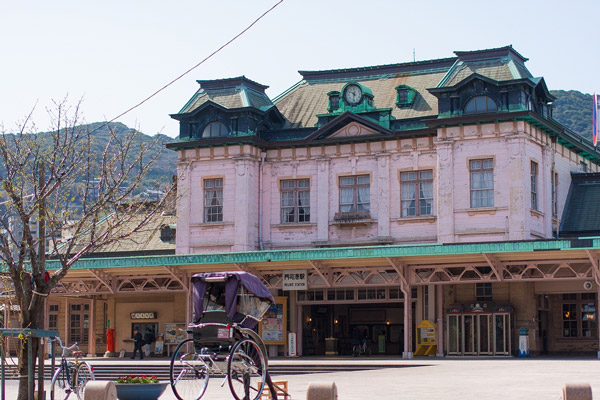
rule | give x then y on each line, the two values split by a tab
139	387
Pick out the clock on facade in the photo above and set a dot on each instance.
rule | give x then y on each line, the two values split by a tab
353	94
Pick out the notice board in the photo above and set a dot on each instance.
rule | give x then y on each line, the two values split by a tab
273	327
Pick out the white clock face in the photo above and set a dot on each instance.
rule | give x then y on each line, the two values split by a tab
353	94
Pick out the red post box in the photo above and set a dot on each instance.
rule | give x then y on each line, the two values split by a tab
110	340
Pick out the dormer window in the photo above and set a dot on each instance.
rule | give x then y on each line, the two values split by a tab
334	101
215	129
405	96
480	104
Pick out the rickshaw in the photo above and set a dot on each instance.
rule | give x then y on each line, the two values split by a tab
227	307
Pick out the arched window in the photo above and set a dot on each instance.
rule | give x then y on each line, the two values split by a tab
215	129
480	104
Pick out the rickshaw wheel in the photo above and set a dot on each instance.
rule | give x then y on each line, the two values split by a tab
245	370
188	372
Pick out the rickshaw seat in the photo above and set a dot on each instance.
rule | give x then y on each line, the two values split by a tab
208	336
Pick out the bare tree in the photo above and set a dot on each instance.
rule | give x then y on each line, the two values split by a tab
53	183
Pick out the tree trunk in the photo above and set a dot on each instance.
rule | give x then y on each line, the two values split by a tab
32	319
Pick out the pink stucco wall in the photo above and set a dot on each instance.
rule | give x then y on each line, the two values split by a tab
511	145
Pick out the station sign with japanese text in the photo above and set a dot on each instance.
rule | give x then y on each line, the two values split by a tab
295	279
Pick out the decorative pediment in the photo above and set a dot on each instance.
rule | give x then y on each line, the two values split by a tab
349	126
353	129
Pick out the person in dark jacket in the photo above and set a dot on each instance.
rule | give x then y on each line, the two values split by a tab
148	339
138	345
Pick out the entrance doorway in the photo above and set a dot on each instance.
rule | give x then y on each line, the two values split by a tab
347	324
479	334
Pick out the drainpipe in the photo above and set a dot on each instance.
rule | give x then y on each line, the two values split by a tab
263	155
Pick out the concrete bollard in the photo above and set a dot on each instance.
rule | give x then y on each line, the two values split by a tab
100	390
321	391
577	391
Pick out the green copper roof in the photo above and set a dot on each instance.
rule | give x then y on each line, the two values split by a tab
333	253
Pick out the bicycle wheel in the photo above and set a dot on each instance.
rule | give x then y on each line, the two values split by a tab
188	372
245	370
59	385
83	374
356	350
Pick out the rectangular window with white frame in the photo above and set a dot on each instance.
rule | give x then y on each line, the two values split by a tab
213	200
482	182
355	193
416	189
295	201
534	185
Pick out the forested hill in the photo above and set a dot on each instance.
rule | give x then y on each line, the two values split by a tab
162	170
574	109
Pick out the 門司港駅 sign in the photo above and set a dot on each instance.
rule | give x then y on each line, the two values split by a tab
295	279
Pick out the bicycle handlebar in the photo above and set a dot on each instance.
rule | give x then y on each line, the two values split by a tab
63	347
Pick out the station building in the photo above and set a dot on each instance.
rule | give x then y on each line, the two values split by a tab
433	201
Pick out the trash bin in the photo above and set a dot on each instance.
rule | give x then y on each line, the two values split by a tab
331	346
523	342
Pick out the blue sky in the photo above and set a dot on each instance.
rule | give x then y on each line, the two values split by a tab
112	54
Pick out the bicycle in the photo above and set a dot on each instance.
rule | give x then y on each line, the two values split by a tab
363	348
70	376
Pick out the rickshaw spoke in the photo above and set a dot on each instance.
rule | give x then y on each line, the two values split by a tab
245	370
188	373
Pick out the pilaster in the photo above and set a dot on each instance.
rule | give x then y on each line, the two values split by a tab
323	192
245	219
383	195
183	208
518	178
445	191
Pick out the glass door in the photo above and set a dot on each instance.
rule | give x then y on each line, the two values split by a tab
470	334
502	334
454	322
484	333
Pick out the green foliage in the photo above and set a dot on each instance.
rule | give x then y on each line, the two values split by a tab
137	379
574	109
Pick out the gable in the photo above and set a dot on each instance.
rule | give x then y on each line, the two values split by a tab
353	129
348	126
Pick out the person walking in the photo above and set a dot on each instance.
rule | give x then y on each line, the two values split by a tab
148	340
138	345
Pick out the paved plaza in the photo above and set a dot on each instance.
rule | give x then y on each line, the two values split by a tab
465	379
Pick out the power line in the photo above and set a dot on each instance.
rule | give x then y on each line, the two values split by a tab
192	68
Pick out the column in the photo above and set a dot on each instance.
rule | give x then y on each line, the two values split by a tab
444	195
300	325
408	353
323	193
188	303
65	339
383	195
439	300
92	329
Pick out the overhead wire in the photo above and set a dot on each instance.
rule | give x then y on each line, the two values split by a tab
192	68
